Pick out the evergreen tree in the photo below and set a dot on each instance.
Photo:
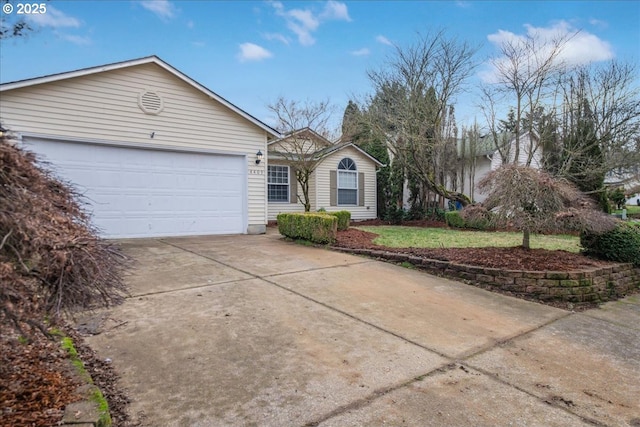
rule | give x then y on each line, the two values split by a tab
351	122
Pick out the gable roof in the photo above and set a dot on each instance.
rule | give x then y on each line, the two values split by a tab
132	63
341	146
329	148
305	132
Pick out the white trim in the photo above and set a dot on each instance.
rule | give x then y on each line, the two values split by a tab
32	135
132	63
288	201
360	150
355	172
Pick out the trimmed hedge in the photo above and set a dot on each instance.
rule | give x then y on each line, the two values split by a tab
454	219
315	227
344	218
622	244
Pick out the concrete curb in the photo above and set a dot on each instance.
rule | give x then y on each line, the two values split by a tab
84	412
92	409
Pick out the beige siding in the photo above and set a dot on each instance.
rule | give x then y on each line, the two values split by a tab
104	107
296	146
364	165
313	192
275	208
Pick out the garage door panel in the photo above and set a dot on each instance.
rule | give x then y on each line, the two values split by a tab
142	193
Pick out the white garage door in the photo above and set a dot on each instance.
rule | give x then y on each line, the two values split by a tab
145	193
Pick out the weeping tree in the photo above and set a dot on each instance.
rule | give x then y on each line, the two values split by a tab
533	201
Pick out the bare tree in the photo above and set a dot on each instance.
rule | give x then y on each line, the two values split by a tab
298	121
525	75
601	108
468	151
533	201
422	81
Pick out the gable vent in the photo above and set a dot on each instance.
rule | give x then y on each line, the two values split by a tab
150	102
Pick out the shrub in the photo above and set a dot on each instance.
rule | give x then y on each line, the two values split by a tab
322	210
621	244
51	258
617	197
478	223
476	217
344	218
315	227
435	214
395	215
454	219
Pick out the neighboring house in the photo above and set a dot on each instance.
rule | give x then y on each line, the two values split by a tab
629	180
343	179
529	152
489	158
154	152
476	163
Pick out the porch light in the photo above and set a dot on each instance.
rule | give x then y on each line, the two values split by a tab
259	157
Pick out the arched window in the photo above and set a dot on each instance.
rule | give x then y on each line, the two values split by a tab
347	182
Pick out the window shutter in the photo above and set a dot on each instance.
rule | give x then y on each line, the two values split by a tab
333	186
293	186
360	188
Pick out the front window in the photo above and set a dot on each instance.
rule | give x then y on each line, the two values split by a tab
278	183
347	182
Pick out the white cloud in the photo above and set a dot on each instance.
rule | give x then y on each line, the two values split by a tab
599	23
54	18
190	25
463	4
276	36
581	47
78	40
303	22
305	18
382	39
162	8
253	52
361	52
335	10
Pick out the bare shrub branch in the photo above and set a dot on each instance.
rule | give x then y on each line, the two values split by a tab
51	258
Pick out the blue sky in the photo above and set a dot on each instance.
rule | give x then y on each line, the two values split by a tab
251	52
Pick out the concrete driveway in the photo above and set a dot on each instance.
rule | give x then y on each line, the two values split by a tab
257	331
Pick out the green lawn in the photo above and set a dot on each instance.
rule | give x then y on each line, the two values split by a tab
630	210
404	237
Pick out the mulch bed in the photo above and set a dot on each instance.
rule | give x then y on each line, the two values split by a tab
513	258
37	381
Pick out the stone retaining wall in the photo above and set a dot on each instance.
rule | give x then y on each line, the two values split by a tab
583	286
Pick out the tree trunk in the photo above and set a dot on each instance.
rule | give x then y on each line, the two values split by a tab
526	238
303	178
